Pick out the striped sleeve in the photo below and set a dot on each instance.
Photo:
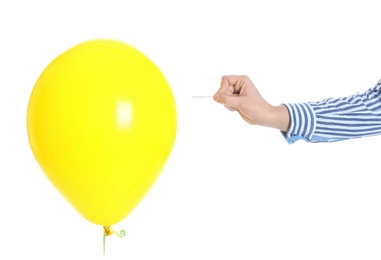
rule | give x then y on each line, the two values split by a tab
336	119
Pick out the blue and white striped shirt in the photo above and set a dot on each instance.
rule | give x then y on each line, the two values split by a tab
336	119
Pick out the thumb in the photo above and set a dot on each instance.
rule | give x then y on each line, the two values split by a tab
228	101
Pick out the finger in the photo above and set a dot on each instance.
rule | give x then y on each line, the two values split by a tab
230	101
228	83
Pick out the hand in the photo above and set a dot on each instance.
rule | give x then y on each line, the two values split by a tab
238	93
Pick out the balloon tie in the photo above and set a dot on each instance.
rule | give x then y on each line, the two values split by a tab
108	231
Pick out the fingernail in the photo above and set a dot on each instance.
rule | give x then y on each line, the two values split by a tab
217	97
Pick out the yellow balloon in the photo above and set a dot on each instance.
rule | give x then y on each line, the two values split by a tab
101	124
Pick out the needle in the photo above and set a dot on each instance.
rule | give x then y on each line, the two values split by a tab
202	96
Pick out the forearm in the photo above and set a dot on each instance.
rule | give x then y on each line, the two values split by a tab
336	119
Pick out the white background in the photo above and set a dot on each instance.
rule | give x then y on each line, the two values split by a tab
229	190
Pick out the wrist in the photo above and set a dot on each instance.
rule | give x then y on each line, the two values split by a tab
278	118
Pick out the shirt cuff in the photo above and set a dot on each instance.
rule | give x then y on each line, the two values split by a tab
302	122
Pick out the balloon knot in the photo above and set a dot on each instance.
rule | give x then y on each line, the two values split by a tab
108	231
